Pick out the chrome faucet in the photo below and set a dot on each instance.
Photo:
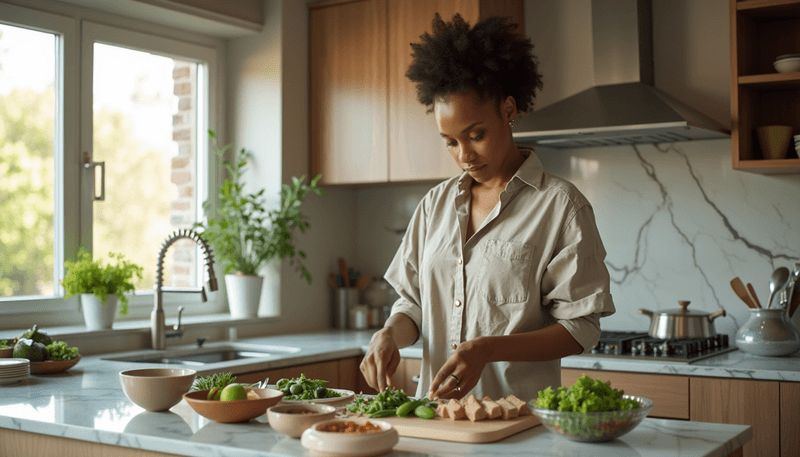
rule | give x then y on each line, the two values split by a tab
158	331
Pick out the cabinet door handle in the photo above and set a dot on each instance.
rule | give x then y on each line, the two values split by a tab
89	165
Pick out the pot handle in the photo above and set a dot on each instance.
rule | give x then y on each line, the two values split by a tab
720	313
646	312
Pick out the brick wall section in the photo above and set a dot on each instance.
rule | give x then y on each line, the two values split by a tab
183	209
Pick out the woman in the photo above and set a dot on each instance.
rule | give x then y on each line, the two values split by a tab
501	269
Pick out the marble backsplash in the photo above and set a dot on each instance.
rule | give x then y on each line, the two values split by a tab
677	221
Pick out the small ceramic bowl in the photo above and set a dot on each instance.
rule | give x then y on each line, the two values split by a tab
355	444
233	411
774	140
293	420
156	389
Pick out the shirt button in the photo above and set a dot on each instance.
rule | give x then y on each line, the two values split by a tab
453	345
458	303
460	261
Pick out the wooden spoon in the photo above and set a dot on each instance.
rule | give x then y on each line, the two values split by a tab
344	272
741	292
753	295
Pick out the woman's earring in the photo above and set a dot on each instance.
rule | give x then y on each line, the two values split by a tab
511	123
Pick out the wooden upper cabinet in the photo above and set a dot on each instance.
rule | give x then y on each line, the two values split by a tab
416	151
366	123
348	92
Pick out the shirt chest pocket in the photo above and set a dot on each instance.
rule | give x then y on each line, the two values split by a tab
505	271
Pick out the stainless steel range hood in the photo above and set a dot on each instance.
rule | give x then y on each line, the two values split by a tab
623	107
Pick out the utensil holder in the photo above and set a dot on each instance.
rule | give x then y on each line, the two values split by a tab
768	333
344	299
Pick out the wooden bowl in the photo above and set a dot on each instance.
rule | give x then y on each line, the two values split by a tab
233	411
293	420
774	141
53	366
156	389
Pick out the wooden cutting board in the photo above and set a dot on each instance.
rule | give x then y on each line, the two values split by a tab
463	431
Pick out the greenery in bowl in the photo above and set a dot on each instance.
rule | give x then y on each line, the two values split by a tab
245	233
87	276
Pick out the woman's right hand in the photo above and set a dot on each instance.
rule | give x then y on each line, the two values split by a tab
381	360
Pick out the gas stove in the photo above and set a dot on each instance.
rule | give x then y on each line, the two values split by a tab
642	346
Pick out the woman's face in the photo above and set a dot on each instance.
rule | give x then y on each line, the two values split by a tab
478	136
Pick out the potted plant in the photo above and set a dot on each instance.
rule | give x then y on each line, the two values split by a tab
100	286
246	234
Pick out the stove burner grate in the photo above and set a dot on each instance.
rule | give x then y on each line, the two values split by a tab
641	345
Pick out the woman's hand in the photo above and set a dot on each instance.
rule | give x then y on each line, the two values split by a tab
381	360
461	372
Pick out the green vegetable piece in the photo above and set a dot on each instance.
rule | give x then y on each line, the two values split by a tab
408	407
384	413
424	412
58	350
321	393
36	335
296	389
29	349
215	380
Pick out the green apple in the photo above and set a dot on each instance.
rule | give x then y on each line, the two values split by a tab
233	392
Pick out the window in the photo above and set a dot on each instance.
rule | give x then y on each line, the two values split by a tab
113	162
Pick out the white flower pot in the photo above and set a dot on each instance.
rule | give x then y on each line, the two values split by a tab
244	295
96	315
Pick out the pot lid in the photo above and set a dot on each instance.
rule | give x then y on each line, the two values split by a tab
682	311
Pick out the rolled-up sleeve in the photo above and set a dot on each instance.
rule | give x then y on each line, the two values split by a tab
576	283
403	272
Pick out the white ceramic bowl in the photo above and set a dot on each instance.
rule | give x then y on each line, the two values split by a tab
156	389
787	64
350	444
293	420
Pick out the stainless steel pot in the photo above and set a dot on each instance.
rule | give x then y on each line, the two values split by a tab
681	323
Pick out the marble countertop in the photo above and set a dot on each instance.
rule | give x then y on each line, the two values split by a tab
87	403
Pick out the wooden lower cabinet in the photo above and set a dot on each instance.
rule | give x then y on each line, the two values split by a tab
738	401
670	394
790	419
340	374
18	443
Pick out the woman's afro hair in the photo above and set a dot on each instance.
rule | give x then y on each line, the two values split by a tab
490	59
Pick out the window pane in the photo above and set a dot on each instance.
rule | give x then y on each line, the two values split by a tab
27	158
145	118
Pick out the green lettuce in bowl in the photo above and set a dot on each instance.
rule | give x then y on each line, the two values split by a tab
590	410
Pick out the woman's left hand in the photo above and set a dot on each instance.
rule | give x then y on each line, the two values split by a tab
461	372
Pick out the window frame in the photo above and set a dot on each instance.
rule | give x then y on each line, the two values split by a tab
77	30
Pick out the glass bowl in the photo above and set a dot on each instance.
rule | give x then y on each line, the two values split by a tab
594	427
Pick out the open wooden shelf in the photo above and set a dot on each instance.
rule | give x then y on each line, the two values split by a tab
761	30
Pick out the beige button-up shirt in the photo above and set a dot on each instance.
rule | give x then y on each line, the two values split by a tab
536	260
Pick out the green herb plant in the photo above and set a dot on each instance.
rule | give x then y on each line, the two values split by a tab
216	380
86	276
4	344
245	233
303	388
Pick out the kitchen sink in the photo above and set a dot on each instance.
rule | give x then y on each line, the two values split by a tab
203	356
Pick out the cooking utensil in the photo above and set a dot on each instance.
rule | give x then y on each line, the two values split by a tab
741	292
793	303
363	281
344	271
332	280
776	282
681	323
752	294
